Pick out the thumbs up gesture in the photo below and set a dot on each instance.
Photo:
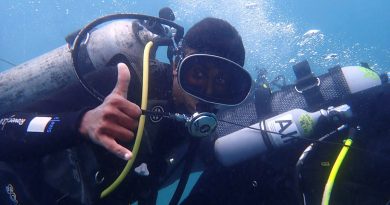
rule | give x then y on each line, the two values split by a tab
115	119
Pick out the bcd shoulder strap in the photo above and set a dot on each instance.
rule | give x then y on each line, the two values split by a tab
307	84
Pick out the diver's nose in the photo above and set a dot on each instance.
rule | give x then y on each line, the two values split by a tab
209	87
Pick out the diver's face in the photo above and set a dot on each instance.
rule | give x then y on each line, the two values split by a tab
208	79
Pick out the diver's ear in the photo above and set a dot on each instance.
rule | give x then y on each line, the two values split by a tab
175	69
177	60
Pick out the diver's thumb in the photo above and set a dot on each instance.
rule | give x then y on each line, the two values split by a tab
122	84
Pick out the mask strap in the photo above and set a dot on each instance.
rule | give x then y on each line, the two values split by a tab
178	52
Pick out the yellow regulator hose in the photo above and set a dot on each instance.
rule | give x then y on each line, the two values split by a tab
334	171
144	103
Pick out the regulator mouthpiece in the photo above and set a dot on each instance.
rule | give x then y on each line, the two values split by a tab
201	124
198	125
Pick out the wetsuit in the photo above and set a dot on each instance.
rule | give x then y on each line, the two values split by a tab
26	136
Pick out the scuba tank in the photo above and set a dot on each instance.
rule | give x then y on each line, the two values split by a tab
44	74
277	132
83	57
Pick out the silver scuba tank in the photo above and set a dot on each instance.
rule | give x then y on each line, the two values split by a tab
54	71
277	132
360	78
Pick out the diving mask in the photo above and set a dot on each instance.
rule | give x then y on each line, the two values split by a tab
214	79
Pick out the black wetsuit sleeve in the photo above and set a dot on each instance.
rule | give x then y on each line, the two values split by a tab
26	135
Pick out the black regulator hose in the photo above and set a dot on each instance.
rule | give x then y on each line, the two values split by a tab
189	159
84	32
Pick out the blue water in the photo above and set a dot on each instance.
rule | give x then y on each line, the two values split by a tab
276	34
273	31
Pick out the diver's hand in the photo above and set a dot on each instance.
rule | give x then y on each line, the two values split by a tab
115	119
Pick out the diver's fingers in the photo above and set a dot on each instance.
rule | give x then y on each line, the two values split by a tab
115	148
122	119
122	84
116	131
115	101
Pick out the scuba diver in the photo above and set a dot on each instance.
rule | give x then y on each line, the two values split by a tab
260	160
207	70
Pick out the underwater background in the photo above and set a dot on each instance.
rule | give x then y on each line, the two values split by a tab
276	34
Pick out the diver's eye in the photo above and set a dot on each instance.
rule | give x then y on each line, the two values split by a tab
198	74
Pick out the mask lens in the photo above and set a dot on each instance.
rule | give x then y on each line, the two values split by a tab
214	79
